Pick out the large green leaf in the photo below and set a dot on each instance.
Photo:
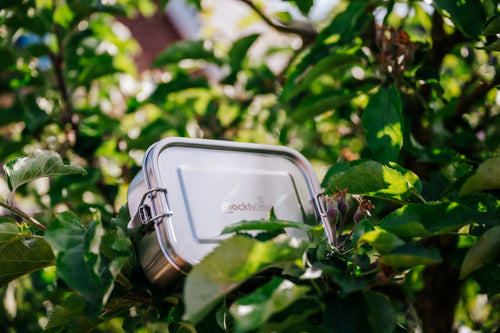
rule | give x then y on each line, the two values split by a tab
383	122
77	258
461	12
381	240
42	163
370	312
20	253
372	179
418	220
486	177
253	310
484	250
229	265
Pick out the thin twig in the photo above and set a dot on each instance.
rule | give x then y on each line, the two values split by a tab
22	214
341	228
307	35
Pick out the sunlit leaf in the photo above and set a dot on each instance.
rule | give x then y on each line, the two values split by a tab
383	122
63	15
229	265
372	179
253	310
486	177
486	249
418	220
41	163
382	240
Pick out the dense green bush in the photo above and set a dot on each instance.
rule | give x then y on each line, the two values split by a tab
397	99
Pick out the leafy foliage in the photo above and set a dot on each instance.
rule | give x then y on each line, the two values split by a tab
394	101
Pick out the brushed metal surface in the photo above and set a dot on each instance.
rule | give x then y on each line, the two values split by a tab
211	184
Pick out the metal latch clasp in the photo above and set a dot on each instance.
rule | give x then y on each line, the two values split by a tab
145	210
143	216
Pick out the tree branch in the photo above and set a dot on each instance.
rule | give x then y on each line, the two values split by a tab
307	34
22	214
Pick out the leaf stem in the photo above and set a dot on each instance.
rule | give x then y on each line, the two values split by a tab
22	214
315	285
420	197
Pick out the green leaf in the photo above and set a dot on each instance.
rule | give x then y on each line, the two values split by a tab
312	106
189	49
70	308
349	284
372	179
381	240
347	24
179	83
20	254
42	163
383	122
252	311
237	55
76	259
492	27
63	15
484	250
414	181
419	220
411	255
325	65
264	225
370	312
460	12
94	67
486	177
303	5
296	318
229	265
339	169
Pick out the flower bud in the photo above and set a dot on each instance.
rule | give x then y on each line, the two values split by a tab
332	214
359	215
342	205
363	210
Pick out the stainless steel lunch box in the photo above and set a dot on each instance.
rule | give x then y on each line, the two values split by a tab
189	189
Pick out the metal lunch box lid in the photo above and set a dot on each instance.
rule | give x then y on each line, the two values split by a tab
190	189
